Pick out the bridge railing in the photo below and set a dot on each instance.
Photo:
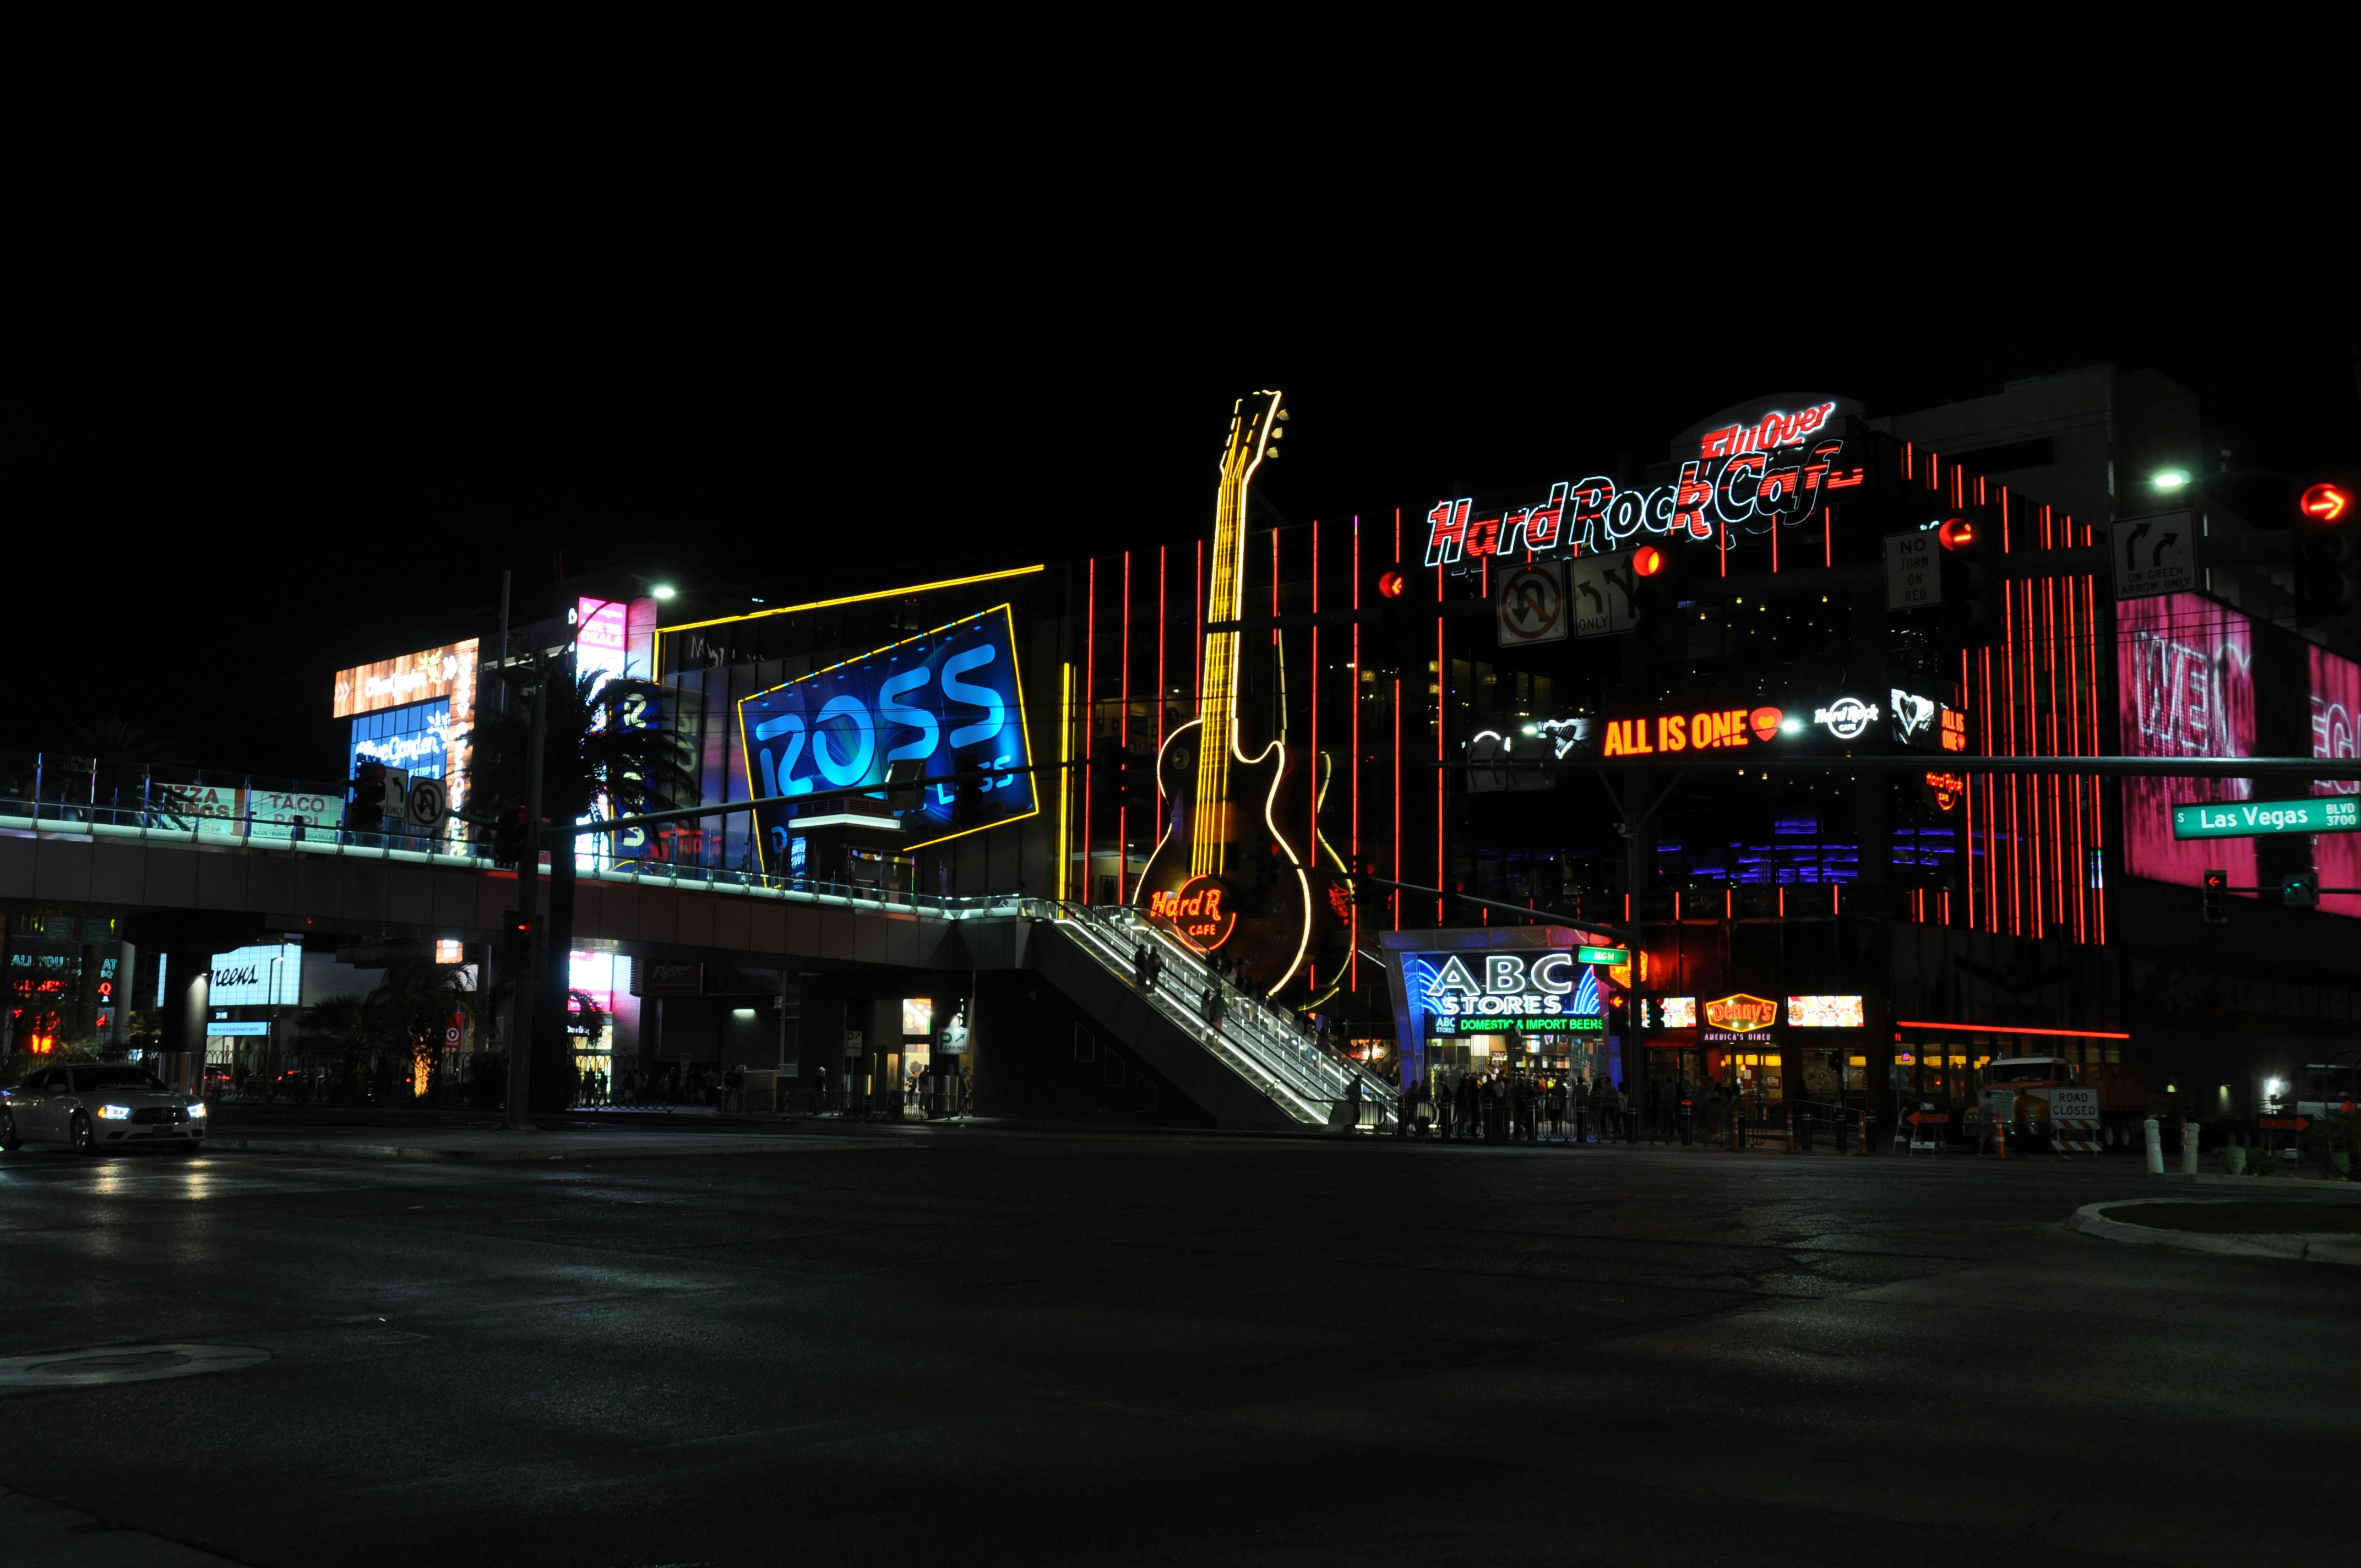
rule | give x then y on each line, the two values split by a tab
221	830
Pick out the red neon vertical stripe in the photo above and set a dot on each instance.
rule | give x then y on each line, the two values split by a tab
1090	713
1968	841
1441	680
1398	755
1163	689
1353	954
1312	755
1123	744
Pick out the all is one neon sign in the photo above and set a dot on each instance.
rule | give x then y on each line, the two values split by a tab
1745	481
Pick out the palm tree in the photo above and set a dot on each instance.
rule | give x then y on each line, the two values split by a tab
604	745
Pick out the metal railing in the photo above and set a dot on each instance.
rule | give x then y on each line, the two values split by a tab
1261	1042
139	824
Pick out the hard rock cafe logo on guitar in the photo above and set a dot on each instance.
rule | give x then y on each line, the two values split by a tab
1200	914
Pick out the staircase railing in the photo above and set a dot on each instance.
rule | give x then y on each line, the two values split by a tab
1262	1042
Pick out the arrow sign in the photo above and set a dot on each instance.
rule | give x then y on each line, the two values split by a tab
2283	1124
2156	555
1531	605
1927	1118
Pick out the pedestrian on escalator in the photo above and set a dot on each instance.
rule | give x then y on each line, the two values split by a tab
1211	1003
1142	965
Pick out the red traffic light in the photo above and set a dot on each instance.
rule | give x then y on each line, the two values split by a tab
1647	561
2327	503
1390	585
1957	533
2217	881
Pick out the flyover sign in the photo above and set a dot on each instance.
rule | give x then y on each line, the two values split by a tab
2256	818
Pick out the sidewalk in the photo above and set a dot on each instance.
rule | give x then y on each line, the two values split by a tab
494	1145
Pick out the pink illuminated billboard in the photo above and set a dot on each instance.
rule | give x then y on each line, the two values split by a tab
2184	686
2336	716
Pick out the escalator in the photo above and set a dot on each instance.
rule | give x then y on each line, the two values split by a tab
1254	1068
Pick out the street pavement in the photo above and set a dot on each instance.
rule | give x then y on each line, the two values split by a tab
985	1346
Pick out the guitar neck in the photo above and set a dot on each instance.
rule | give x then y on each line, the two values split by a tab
1250	433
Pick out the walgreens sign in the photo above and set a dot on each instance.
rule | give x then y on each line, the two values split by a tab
1775	470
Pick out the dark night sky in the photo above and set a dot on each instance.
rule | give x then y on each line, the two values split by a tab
316	334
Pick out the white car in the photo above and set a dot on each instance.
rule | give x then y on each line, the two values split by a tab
89	1107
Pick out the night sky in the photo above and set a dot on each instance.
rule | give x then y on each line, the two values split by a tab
314	334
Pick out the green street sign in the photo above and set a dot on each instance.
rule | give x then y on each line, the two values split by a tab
1610	957
2255	819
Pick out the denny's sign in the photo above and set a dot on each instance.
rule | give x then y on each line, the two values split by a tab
1720	728
1741	1014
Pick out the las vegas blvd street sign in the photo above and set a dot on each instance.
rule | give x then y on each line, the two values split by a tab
2252	818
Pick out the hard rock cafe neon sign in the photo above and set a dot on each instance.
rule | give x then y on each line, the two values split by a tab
1745	479
1195	914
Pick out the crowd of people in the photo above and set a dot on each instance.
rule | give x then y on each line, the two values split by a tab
1567	1107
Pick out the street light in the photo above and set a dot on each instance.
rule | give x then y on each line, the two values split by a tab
2169	478
664	590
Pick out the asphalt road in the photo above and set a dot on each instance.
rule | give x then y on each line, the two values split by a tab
978	1346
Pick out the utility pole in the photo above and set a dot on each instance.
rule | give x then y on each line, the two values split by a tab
522	1010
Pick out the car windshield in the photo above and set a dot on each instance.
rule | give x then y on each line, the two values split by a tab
86	1079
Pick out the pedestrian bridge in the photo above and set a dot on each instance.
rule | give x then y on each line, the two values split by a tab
1250	1066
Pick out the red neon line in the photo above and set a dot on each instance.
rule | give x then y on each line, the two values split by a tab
1397	753
1090	713
1123	743
1828	536
1311	766
1163	587
1200	694
1440	672
2012	1029
1353	954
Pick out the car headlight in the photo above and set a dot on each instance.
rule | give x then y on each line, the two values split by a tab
198	1109
114	1112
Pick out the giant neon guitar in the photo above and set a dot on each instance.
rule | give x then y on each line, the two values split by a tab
1227	874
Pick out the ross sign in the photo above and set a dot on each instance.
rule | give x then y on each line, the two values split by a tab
1771	469
1825	1013
1531	604
1613	958
1913	571
427	803
941	716
1602	594
1847	719
1741	1014
2256	818
2156	555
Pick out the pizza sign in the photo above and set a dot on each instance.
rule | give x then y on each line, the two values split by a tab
1741	1014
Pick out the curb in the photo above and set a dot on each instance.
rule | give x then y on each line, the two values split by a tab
2294	1246
2322	1185
707	1144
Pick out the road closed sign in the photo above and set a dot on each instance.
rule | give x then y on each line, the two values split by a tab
1532	604
2074	1104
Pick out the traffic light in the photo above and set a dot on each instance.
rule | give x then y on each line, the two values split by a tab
1402	641
368	813
509	835
1971	582
1657	620
2300	890
2327	555
517	925
2217	897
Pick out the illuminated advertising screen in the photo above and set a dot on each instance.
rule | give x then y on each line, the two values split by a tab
2336	716
1825	1013
2184	687
265	975
941	715
415	712
1479	993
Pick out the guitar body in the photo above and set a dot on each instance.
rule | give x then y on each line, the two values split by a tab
1268	908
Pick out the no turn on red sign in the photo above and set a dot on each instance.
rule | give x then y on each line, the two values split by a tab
1530	601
